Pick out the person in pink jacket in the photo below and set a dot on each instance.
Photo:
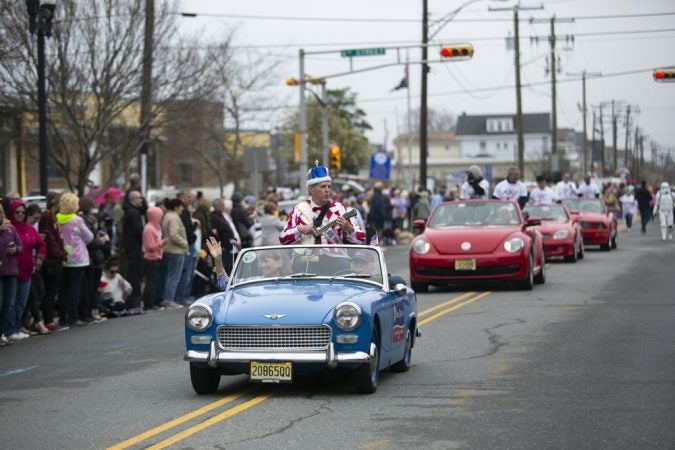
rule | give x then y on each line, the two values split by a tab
34	250
76	236
10	247
152	256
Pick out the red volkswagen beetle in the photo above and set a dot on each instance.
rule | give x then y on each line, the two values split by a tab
598	224
477	240
560	231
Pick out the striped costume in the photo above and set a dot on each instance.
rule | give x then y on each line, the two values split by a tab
304	213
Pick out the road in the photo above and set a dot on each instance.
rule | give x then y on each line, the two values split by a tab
585	361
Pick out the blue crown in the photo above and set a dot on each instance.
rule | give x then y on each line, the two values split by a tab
317	174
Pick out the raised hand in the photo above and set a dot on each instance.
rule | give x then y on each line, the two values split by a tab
214	248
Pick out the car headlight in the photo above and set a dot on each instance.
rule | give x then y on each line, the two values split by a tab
514	245
421	246
560	234
347	316
198	317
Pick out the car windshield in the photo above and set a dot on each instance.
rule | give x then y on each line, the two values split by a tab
585	205
548	212
293	262
457	214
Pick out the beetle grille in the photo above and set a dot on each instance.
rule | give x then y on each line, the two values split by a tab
276	338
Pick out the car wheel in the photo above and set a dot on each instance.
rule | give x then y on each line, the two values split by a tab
367	374
420	287
404	364
580	255
540	278
573	257
607	246
528	282
204	381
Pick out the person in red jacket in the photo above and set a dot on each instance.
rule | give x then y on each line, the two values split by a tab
33	255
52	268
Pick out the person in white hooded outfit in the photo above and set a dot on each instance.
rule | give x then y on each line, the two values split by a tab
663	207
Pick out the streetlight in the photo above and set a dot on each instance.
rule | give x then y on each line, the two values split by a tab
425	69
40	15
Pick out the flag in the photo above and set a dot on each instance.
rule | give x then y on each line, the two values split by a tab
403	84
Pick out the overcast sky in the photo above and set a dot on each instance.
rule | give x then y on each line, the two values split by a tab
607	45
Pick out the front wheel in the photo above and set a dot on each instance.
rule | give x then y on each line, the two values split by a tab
528	282
367	374
204	381
404	364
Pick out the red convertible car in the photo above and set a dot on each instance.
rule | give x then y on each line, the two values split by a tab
477	240
560	230
598	224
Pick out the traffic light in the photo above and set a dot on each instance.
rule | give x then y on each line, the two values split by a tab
664	75
292	81
335	157
457	51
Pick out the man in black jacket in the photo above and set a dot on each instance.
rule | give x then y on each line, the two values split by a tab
220	228
132	230
377	214
644	198
242	220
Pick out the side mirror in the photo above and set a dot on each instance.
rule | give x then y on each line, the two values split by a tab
532	221
400	289
418	226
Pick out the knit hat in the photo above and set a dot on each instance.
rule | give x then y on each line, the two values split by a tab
317	174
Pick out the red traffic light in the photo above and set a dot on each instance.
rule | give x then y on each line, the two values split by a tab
664	75
457	51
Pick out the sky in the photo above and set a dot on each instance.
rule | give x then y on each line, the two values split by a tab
483	84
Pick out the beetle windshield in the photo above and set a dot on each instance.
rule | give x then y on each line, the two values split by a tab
585	205
474	213
293	262
547	212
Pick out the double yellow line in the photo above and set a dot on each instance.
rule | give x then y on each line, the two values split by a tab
426	316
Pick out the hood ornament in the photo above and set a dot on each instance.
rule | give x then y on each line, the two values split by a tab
274	316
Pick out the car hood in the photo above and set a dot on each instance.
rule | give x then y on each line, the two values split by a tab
289	302
483	239
551	226
593	217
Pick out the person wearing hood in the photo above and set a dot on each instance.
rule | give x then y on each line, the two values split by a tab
152	256
664	208
10	247
33	254
76	236
475	185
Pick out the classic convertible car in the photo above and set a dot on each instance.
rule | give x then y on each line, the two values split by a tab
560	231
598	224
474	241
298	309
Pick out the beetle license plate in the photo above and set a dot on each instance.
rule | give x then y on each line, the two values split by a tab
267	372
465	264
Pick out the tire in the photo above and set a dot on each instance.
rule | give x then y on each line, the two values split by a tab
404	364
367	375
573	257
204	381
605	247
540	278
420	287
581	253
528	283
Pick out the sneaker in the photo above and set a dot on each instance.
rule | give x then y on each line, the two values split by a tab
50	326
4	340
19	336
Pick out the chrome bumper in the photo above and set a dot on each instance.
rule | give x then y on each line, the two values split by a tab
215	356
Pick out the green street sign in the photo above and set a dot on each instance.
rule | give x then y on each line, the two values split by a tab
362	52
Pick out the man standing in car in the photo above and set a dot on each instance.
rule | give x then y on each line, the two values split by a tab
512	188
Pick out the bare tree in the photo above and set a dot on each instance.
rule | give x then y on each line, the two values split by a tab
94	72
437	120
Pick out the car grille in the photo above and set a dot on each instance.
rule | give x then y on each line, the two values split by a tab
450	272
274	338
591	225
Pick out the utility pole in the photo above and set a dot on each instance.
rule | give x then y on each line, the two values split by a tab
302	169
625	152
519	101
423	104
590	170
614	149
146	91
602	144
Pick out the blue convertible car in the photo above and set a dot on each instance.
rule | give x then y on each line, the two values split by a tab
298	309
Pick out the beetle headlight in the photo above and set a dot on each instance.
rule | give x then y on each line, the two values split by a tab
514	245
560	234
347	316
421	246
198	317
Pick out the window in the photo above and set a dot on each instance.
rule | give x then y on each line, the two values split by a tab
185	172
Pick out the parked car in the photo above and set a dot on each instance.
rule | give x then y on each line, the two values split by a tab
299	309
477	240
560	231
597	222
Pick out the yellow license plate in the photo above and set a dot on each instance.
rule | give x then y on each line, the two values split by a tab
266	372
465	264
